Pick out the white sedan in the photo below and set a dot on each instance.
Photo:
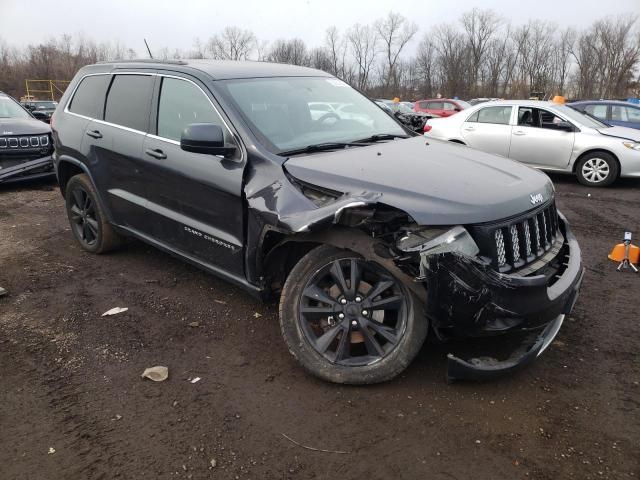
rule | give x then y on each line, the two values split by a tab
548	136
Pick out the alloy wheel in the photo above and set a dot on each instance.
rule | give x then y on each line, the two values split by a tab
83	216
353	312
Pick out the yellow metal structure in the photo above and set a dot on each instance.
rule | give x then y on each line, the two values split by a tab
50	88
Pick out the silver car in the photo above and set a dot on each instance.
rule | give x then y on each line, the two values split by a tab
548	136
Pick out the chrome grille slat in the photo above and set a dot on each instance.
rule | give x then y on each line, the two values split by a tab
502	251
524	240
24	141
527	238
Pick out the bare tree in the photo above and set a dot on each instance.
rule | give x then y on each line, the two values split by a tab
293	51
232	44
395	32
452	61
480	27
363	42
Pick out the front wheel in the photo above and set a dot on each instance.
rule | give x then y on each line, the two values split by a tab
597	169
349	320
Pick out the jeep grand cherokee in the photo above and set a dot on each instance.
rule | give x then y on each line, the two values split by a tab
25	145
371	236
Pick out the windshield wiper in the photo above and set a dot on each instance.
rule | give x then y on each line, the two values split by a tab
378	137
320	147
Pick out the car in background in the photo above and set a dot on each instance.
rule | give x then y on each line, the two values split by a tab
416	121
25	143
442	107
622	114
476	101
548	136
41	109
332	112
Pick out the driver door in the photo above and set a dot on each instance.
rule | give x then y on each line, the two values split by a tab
536	141
194	200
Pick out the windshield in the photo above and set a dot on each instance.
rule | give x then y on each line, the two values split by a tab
46	105
10	109
580	117
464	104
295	112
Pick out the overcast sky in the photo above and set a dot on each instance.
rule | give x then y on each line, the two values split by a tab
176	24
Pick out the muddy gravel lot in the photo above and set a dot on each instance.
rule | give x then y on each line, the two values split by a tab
73	404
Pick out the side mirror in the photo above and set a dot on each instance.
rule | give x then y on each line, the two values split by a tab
457	109
565	126
205	138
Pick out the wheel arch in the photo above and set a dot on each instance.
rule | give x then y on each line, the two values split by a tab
596	150
286	252
66	168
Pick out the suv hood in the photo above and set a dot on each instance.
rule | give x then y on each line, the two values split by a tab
23	126
625	133
436	182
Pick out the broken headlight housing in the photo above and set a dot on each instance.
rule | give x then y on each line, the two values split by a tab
433	241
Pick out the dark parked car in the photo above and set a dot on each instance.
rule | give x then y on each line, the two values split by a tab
25	143
41	109
370	236
411	119
613	112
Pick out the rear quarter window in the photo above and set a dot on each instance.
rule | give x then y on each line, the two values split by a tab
89	96
129	101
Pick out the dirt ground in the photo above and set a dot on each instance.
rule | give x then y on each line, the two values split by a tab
73	405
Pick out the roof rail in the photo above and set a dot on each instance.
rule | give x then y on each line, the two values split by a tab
146	60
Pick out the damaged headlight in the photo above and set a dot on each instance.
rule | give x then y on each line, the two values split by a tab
432	241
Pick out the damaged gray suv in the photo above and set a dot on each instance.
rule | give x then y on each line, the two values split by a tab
372	237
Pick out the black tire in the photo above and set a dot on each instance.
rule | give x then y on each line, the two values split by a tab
401	318
597	169
88	221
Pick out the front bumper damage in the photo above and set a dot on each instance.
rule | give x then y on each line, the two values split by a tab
469	299
28	170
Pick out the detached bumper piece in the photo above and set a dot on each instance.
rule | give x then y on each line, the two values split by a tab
486	368
29	170
473	301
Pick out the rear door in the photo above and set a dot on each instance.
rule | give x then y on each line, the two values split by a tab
488	129
194	199
536	141
113	146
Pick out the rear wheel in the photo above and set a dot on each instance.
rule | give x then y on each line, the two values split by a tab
87	219
349	320
597	169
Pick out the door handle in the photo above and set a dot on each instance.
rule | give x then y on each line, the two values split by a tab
469	129
519	133
155	153
94	134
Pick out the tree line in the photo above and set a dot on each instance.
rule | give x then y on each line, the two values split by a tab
480	55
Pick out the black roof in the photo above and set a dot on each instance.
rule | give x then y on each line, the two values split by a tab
225	69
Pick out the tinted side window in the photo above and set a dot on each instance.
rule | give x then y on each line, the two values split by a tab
128	101
423	105
435	106
89	97
448	106
182	103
